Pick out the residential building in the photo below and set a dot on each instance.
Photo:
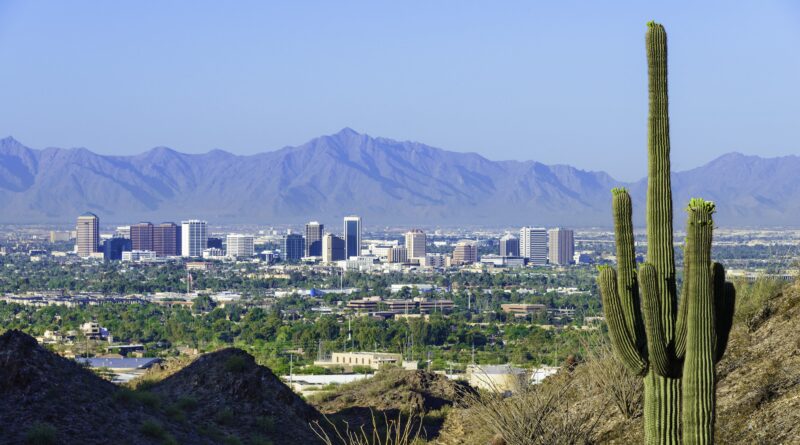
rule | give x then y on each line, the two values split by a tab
465	252
503	261
194	238
533	245
415	245
213	253
138	255
123	232
430	306
561	246
374	360
366	304
435	260
167	239
397	255
509	246
142	236
333	248
314	232
88	235
293	247
352	236
240	246
523	309
56	236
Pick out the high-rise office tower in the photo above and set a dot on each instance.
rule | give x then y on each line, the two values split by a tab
465	252
314	232
293	247
240	246
398	254
333	248
194	238
415	245
509	245
533	245
88	235
352	236
142	236
561	246
113	248
167	239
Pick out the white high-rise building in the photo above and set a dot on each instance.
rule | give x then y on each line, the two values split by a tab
194	238
352	236
240	246
561	246
415	245
533	245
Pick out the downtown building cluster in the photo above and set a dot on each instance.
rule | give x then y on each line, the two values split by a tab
190	239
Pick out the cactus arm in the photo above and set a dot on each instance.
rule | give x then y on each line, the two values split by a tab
623	340
698	369
651	309
680	322
622	207
724	304
660	251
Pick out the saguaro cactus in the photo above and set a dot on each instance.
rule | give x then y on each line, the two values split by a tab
709	306
650	333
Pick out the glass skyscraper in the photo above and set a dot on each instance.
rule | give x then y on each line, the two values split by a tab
352	236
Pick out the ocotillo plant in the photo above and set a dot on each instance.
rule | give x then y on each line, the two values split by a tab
651	334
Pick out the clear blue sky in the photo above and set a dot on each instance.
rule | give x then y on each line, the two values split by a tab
554	81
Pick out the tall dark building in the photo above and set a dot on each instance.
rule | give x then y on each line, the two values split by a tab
214	243
293	247
352	236
142	236
113	248
509	246
314	231
333	248
167	239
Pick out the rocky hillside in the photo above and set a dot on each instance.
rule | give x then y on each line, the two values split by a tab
758	392
395	391
227	388
222	397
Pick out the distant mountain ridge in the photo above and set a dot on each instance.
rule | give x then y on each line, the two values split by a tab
385	181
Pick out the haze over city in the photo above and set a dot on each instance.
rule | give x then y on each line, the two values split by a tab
555	83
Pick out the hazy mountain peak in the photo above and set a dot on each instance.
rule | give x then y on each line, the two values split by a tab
383	180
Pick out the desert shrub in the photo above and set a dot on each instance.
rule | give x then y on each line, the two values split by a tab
186	403
151	428
41	433
236	363
535	415
399	431
224	416
259	440
266	423
609	377
232	440
753	301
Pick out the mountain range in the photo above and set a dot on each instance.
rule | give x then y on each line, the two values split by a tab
387	182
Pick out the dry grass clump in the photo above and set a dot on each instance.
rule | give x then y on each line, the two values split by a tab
400	431
536	415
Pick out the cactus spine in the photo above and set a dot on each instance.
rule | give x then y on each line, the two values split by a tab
650	333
